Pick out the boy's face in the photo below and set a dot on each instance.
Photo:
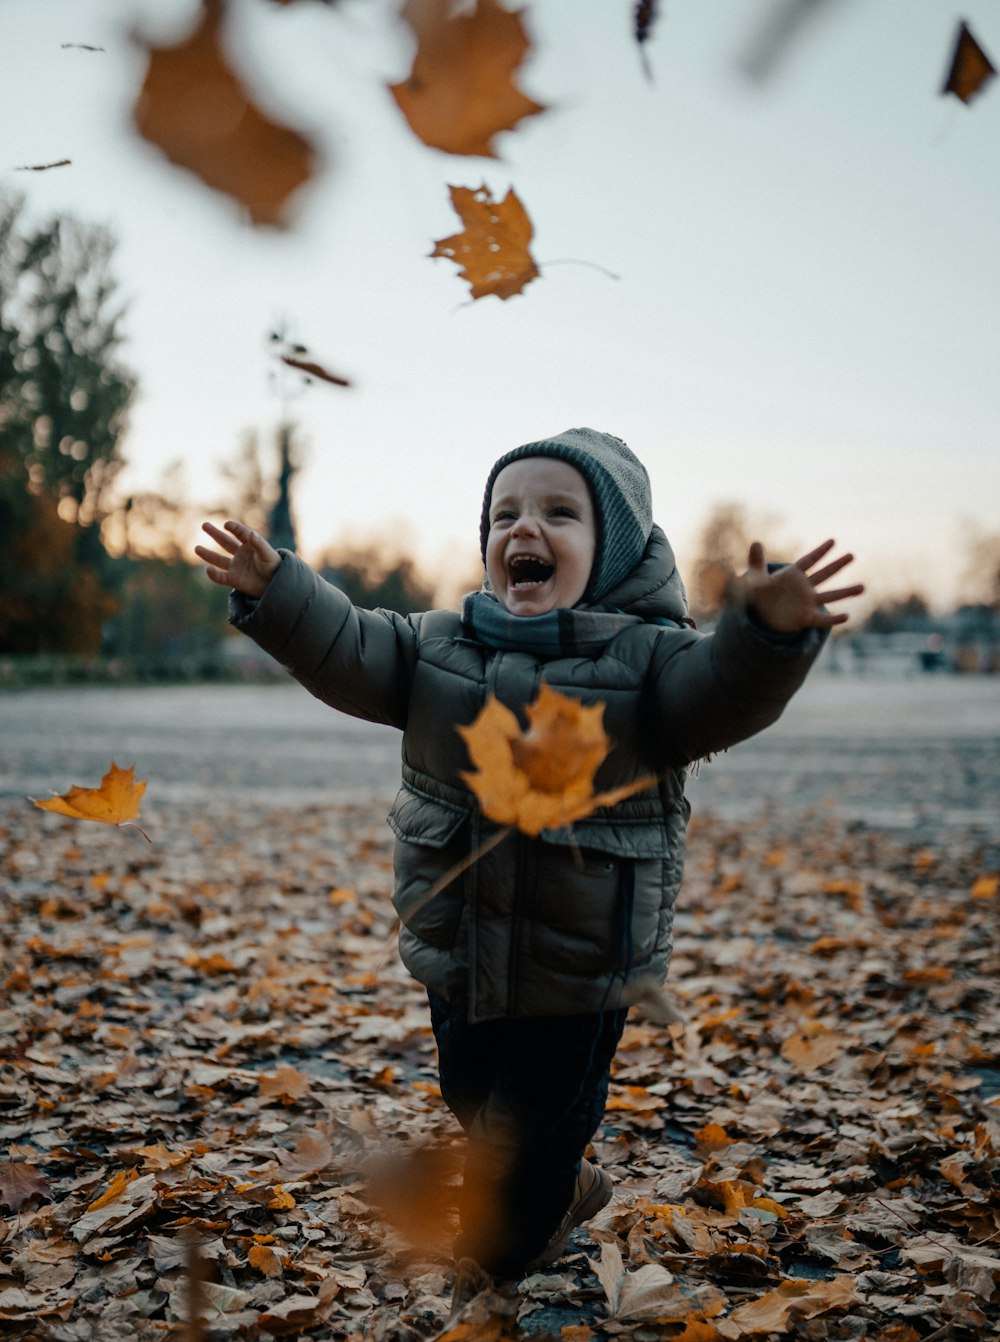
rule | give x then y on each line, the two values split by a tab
542	537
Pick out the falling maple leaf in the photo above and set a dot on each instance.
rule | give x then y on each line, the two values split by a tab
542	778
460	91
492	250
969	69
198	113
115	802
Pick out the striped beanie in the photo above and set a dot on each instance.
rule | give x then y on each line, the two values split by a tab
619	487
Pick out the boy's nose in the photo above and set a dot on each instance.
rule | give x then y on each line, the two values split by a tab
524	525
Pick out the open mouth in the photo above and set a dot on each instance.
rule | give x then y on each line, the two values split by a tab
526	571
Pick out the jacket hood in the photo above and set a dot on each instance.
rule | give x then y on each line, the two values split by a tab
653	589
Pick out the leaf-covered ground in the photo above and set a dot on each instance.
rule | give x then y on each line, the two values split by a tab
212	1063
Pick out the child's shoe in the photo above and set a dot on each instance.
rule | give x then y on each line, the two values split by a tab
593	1191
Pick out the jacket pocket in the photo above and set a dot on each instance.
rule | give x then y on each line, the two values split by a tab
596	914
431	839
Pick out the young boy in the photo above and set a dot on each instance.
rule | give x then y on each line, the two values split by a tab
533	955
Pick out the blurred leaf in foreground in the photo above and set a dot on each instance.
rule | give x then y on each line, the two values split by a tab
197	112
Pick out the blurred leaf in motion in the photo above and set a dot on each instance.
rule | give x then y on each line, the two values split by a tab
197	112
970	68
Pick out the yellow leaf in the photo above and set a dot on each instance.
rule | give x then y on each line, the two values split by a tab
712	1137
114	1190
543	778
769	1205
492	249
985	887
634	1098
115	802
265	1260
460	92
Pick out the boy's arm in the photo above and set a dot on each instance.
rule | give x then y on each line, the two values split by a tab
712	691
358	661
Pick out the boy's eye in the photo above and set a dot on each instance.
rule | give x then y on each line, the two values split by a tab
504	515
563	511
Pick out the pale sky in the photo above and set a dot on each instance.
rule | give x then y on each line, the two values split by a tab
806	320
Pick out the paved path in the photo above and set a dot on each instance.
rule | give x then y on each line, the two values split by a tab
921	752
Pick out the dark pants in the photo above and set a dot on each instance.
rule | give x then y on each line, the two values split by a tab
530	1094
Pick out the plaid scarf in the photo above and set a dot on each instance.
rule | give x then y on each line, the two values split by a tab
560	633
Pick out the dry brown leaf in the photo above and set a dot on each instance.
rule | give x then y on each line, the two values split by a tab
286	1084
805	1299
970	67
115	802
291	1316
460	92
542	778
196	111
650	1291
19	1182
811	1047
492	250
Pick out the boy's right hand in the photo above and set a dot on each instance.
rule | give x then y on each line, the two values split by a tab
249	562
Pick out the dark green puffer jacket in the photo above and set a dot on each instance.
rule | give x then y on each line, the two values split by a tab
571	921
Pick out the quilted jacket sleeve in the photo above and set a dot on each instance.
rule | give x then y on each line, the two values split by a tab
711	691
359	661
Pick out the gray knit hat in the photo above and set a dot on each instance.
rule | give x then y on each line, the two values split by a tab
619	486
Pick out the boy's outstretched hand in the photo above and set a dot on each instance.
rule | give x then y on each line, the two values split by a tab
249	562
790	599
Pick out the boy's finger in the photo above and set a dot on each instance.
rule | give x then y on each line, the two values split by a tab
212	557
840	593
807	560
223	538
830	569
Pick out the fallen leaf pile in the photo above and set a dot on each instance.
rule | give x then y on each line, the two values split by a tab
212	1066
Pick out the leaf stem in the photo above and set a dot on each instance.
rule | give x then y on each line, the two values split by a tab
133	825
576	261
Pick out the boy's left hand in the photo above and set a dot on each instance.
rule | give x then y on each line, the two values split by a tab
790	599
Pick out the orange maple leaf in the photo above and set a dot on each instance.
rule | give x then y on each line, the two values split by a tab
115	802
492	250
197	112
542	778
460	92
